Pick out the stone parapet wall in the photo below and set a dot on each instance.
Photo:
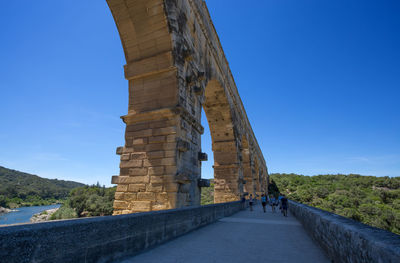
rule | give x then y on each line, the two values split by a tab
346	240
104	239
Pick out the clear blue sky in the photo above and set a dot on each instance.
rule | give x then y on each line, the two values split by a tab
320	81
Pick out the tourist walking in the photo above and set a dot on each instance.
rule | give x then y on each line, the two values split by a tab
284	203
279	202
243	202
251	200
272	203
264	202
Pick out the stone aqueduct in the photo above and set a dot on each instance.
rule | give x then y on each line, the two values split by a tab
175	67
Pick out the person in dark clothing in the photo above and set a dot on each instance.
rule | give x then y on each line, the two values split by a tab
272	203
263	202
243	202
284	203
251	200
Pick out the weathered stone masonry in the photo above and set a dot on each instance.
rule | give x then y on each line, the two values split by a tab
175	66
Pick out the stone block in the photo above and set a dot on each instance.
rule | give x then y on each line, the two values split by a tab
156	170
159	162
117	212
119	150
125	157
139	179
183	178
203	183
202	156
170	153
146	196
172	199
142	133
184	188
159	206
170	170
128	150
137	127
225	158
171	138
156	179
133	179
169	161
171	187
114	179
140	206
138	155
154	187
131	163
162	197
169	178
139	148
119	195
157	139
138	171
219	187
164	131
120	204
229	146
163	123
139	141
155	154
122	187
183	146
135	188
130	196
160	146
150	64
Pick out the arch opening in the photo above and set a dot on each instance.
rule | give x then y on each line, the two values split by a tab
228	173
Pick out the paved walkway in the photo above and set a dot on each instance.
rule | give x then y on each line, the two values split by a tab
244	237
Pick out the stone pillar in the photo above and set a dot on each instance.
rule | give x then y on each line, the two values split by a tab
256	178
258	187
248	177
228	174
160	167
148	163
247	170
161	160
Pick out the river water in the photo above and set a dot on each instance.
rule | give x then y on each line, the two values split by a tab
24	214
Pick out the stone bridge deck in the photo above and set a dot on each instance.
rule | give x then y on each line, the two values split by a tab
212	233
243	237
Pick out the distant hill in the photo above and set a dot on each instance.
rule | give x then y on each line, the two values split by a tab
371	200
20	189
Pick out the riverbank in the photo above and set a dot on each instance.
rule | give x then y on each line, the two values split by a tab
43	216
4	210
23	214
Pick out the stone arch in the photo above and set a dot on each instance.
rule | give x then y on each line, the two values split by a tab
175	65
247	163
227	171
147	45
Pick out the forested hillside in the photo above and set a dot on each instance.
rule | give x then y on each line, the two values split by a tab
23	189
371	200
87	201
207	194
